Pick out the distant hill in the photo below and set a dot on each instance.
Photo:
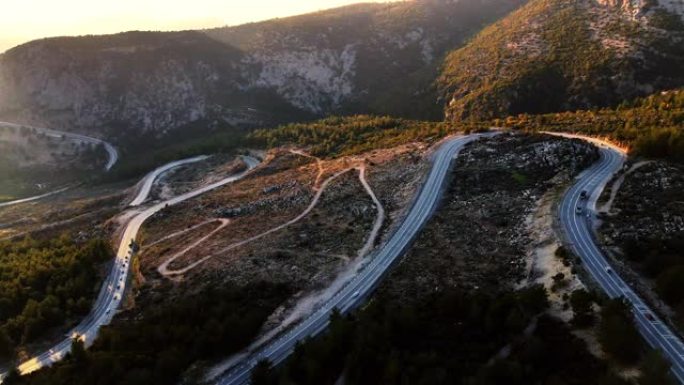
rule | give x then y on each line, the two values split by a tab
366	58
555	55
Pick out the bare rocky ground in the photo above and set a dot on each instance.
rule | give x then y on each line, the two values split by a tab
307	255
84	210
33	163
643	229
480	237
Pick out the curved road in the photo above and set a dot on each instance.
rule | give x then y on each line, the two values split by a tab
368	277
578	231
148	180
112	154
114	286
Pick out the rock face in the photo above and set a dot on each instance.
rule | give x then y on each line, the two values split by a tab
377	58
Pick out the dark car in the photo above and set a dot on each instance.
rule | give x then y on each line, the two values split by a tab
584	194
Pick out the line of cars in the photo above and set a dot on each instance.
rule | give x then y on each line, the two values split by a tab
122	276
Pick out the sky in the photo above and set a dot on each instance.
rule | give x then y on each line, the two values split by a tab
25	20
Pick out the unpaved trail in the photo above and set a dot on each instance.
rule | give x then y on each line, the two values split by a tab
379	218
308	303
319	163
618	183
163	268
181	232
165	271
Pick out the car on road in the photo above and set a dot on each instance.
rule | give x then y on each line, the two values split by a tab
584	194
649	317
108	311
356	294
608	270
578	210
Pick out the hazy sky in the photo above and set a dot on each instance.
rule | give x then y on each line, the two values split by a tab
24	20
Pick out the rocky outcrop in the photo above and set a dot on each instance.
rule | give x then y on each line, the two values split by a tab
370	58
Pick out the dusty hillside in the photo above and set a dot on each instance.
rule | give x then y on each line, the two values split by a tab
379	58
554	55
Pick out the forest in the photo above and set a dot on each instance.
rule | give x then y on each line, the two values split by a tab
338	136
652	127
455	337
147	349
45	283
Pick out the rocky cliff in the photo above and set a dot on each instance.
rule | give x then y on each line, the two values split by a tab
377	58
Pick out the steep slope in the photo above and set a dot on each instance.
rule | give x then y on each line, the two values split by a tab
553	55
379	58
143	81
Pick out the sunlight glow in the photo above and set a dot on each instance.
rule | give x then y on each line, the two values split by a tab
24	20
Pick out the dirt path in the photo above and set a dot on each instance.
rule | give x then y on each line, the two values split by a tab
165	271
163	268
618	183
379	220
319	163
177	233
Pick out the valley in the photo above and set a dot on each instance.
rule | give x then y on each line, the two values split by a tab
474	192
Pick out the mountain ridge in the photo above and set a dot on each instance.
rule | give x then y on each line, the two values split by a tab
366	58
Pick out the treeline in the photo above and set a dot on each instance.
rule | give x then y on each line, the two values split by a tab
444	338
336	136
155	348
44	283
653	127
146	153
469	339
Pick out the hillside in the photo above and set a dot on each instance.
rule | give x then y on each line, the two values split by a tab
377	58
650	126
555	55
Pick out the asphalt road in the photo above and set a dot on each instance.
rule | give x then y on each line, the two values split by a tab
369	276
147	182
115	284
112	153
578	231
112	156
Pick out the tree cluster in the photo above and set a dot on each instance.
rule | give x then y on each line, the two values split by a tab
44	283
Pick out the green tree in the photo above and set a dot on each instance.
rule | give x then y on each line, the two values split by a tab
583	313
262	374
78	352
655	370
618	334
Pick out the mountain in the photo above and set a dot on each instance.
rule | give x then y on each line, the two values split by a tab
554	55
375	58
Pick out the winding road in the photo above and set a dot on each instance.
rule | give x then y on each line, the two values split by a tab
112	155
578	231
149	179
115	284
368	277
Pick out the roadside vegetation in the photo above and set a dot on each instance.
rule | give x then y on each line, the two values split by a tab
141	155
652	127
43	284
338	136
33	163
155	348
455	338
